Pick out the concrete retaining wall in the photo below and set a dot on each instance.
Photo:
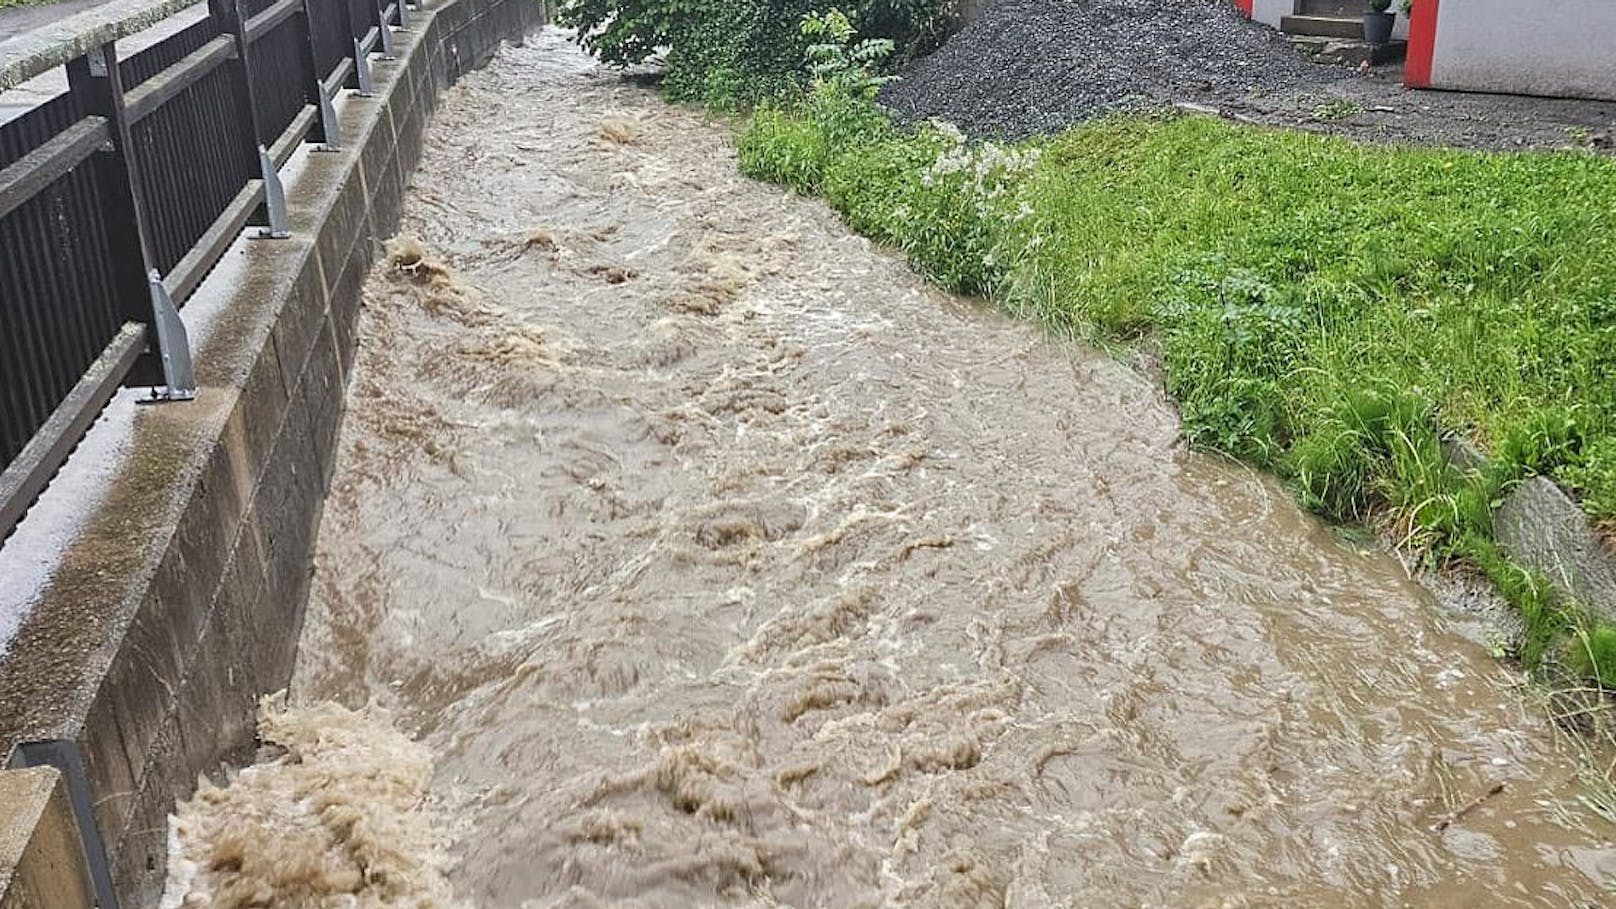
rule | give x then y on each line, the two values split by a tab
1563	49
180	600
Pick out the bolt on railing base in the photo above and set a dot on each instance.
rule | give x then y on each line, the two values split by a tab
362	70
173	346
280	226
330	129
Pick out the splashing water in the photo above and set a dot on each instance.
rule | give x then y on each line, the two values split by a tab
339	820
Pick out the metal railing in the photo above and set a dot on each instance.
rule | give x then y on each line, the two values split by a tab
118	196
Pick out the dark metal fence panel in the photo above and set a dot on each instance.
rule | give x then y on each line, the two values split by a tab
362	16
60	307
280	87
333	39
193	158
160	56
29	131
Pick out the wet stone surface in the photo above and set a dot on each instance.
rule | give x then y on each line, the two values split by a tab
722	563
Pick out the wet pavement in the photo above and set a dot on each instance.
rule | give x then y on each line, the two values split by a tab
721	562
19	20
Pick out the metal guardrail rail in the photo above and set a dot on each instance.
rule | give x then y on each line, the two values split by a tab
118	196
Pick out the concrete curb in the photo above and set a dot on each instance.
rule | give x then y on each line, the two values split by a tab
180	602
1541	527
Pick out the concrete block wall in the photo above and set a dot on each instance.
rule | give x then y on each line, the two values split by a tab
180	602
1566	48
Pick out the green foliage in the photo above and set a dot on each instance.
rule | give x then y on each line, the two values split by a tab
1314	316
629	31
840	65
1339	109
731	52
1592	652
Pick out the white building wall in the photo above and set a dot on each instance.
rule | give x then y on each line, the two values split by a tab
1559	48
1269	12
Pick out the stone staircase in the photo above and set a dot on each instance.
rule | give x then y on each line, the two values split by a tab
1331	31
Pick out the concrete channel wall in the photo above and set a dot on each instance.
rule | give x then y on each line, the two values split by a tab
179	601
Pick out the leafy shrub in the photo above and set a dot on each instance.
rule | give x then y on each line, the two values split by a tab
729	52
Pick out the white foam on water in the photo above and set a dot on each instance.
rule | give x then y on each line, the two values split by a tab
341	819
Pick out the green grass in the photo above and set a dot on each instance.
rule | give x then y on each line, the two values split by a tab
1324	310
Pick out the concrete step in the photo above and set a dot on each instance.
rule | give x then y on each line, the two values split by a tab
1340	9
1348	27
1352	53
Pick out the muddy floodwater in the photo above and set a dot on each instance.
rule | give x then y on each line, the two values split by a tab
718	561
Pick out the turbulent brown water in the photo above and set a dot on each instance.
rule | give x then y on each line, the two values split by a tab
339	819
721	563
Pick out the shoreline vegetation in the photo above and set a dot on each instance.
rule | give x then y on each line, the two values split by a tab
1328	311
1323	310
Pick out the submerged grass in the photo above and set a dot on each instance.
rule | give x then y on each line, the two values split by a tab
1324	310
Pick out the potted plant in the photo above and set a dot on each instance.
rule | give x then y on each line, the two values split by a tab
1378	22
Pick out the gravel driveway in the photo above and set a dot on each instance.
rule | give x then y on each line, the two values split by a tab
1037	66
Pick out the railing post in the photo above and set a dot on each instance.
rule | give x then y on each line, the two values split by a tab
354	34
384	33
313	79
94	78
233	22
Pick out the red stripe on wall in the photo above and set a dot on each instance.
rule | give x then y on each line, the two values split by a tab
1421	44
1244	6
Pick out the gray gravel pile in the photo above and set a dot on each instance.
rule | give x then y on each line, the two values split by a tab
1031	66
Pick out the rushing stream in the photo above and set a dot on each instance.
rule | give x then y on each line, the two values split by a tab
719	562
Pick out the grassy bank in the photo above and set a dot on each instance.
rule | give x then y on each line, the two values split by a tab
1321	309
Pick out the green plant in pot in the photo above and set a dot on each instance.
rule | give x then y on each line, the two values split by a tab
1378	22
